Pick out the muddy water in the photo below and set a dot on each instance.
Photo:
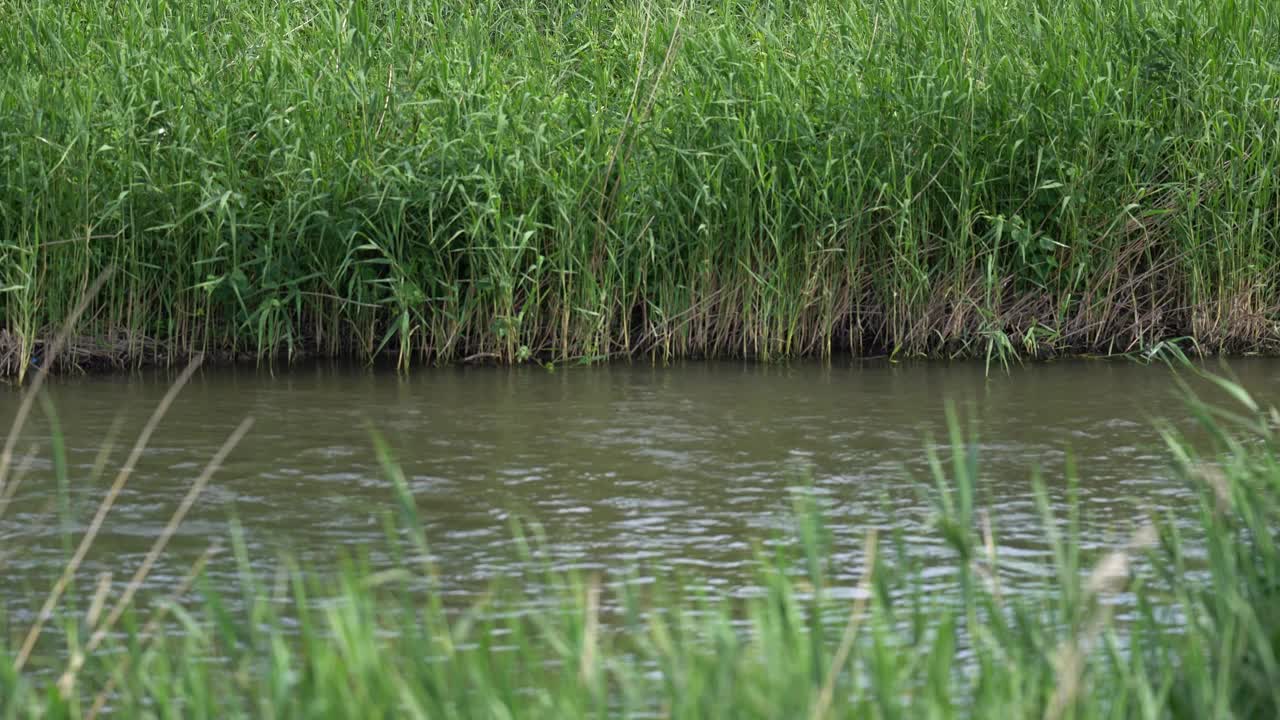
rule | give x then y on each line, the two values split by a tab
672	468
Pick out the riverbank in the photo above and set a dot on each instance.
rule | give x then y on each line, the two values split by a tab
511	181
1168	620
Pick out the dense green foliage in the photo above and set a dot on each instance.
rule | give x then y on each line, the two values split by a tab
520	178
1198	636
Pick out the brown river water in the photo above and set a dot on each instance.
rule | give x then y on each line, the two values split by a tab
674	469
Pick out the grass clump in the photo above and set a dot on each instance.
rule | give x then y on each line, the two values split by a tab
512	180
1196	635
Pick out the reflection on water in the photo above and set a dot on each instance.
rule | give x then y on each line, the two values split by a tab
676	468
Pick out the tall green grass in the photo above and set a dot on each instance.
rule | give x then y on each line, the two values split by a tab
1179	621
516	179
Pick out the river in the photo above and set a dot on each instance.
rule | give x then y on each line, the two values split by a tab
676	469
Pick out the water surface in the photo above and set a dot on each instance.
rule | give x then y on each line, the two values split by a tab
677	469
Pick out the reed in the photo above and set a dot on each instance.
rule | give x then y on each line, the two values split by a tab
578	180
1198	635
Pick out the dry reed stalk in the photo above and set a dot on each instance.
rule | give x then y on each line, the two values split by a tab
1108	577
148	562
50	353
149	630
822	705
591	633
95	525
